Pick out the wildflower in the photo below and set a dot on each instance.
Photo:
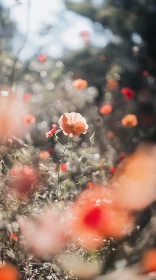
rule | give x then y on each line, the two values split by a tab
134	181
44	155
148	262
80	84
27	97
112	85
9	272
106	109
42	57
23	183
112	169
93	217
49	234
129	120
128	93
29	119
73	124
52	131
64	167
13	236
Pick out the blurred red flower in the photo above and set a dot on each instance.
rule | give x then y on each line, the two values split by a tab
9	272
84	34
112	169
13	236
73	124
29	119
23	183
64	167
106	109
52	131
80	84
128	93
42	57
95	217
148	262
129	120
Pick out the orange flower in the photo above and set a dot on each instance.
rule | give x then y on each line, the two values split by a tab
80	84
106	109
149	261
73	124
44	155
134	182
129	120
9	272
112	85
93	217
29	119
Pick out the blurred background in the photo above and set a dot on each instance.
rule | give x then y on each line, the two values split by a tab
109	43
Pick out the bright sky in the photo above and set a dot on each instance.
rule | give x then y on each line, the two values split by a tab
67	24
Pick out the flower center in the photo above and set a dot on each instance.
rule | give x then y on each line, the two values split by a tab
93	217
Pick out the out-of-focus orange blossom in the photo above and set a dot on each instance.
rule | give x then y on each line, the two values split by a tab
29	119
148	262
80	84
112	85
135	179
129	120
23	182
9	272
44	155
106	109
96	216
